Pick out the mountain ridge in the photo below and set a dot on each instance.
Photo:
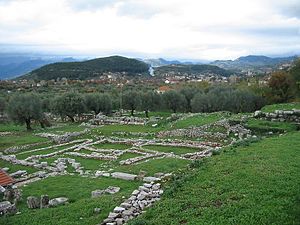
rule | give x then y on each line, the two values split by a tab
89	68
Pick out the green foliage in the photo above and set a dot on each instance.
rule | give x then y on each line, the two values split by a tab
3	104
282	87
25	108
98	103
131	100
226	99
295	73
149	101
189	94
173	100
69	104
192	69
89	69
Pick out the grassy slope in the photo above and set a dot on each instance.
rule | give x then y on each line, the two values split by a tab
284	106
197	120
255	184
258	125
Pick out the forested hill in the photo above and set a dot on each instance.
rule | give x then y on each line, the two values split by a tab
192	69
89	69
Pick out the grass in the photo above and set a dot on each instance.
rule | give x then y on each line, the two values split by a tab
62	128
263	126
24	155
108	129
168	149
116	146
164	165
88	164
14	168
10	127
255	184
78	190
197	120
284	106
128	155
151	114
22	138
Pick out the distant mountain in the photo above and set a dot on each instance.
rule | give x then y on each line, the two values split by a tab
89	69
14	65
253	62
163	62
192	69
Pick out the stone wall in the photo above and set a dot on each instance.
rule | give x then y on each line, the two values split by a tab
280	115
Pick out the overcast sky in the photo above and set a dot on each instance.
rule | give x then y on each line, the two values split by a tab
183	29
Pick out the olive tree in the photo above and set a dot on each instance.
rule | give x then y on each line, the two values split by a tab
98	103
131	101
25	108
149	101
174	100
69	105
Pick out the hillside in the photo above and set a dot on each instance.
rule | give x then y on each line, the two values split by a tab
255	184
253	62
192	69
89	69
14	65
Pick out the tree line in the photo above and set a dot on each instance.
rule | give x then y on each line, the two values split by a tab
28	107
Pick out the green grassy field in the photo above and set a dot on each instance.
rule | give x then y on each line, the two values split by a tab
80	210
165	165
252	182
284	106
198	120
168	149
25	154
255	184
22	138
108	129
112	146
14	168
264	126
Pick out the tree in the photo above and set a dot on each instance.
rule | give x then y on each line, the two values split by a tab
227	99
200	103
149	101
295	74
188	93
69	104
98	103
282	87
3	105
174	100
25	108
131	101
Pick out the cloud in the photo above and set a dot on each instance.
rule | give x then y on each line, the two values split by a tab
91	4
188	29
